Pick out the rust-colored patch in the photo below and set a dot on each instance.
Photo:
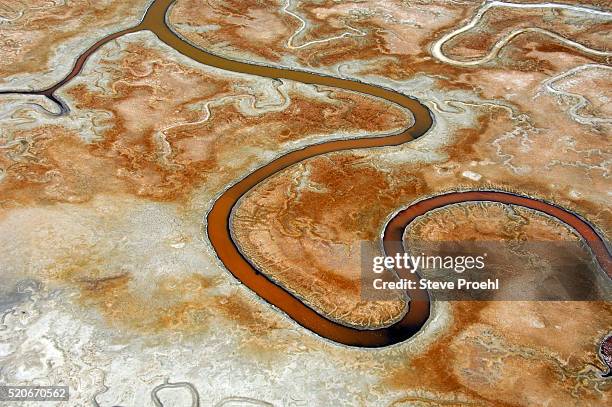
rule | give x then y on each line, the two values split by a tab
432	369
33	29
52	164
491	344
159	144
184	305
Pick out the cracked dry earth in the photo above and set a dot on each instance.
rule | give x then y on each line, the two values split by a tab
109	284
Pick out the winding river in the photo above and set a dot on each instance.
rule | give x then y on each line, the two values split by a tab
218	219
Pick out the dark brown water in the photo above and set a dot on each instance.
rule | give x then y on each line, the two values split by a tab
218	219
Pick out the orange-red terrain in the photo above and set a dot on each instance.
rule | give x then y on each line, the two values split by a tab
111	284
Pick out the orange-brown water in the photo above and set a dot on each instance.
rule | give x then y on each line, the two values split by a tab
394	230
218	219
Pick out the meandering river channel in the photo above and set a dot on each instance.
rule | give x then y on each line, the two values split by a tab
219	217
